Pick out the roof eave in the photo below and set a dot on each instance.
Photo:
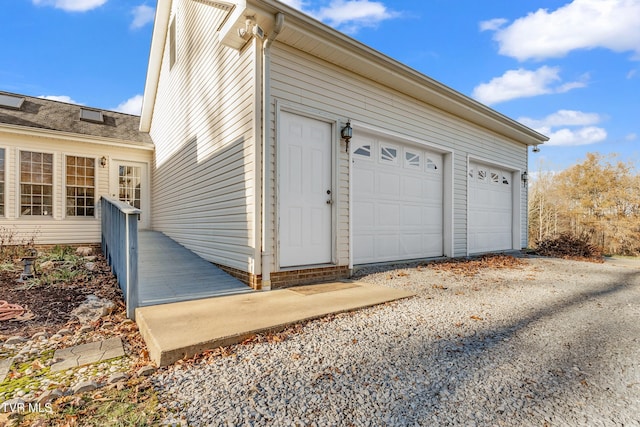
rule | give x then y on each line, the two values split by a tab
75	137
419	86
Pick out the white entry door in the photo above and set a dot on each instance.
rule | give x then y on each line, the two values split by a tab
129	183
305	191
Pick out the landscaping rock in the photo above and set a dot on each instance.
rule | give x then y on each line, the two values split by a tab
84	387
145	371
15	340
47	266
84	251
49	396
117	377
93	309
90	266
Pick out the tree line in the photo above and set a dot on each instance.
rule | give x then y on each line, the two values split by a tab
597	201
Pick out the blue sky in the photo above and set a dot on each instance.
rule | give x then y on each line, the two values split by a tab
570	69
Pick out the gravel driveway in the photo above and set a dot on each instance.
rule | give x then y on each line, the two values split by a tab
548	343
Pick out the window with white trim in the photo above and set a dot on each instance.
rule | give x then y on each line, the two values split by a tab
482	175
36	184
80	191
505	179
495	177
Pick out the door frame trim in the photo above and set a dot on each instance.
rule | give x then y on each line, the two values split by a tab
333	121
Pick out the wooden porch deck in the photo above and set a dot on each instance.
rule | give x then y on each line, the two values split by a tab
168	272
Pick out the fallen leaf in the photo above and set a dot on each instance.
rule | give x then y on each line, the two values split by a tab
477	318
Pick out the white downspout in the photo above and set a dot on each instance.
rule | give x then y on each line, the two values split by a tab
267	196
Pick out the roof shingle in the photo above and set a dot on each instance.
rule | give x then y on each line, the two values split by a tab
39	113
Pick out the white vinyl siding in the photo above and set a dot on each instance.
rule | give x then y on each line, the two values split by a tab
203	183
58	228
301	79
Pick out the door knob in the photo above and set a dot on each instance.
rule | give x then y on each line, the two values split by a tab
329	201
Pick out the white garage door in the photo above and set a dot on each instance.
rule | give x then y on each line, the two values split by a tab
397	201
490	208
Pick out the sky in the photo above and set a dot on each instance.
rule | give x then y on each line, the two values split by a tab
568	69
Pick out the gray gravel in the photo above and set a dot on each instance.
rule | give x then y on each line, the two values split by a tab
554	343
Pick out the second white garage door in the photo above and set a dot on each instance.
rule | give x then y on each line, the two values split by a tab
397	201
490	208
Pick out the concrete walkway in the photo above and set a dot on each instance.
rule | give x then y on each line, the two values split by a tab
184	329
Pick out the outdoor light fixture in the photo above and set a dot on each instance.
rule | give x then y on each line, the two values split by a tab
536	149
103	161
347	133
525	177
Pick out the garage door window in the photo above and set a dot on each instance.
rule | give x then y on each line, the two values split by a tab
505	180
482	175
495	177
388	154
432	166
411	160
363	151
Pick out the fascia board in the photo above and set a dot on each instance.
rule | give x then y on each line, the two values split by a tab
158	40
74	137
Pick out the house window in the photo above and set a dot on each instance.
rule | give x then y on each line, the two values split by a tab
172	43
1	181
80	186
388	154
36	184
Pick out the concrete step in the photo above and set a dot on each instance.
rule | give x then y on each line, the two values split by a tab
184	329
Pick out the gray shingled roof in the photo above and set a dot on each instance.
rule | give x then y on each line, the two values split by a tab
38	113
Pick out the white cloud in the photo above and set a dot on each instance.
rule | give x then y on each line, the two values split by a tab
347	15
131	106
576	128
631	137
60	98
142	15
523	83
492	24
631	74
581	24
570	137
563	118
71	5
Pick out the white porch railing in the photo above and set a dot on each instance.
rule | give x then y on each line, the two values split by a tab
120	247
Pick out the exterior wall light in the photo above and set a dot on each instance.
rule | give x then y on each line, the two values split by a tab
536	149
103	161
525	177
347	133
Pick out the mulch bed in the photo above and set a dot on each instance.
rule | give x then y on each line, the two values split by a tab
48	307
